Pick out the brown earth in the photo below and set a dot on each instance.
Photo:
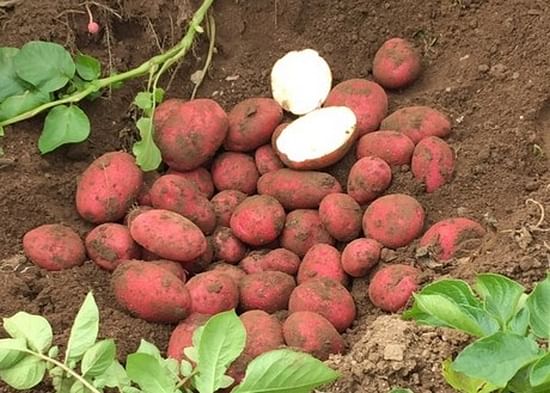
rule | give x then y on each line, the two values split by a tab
486	65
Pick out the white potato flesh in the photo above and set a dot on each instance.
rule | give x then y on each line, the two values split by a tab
301	81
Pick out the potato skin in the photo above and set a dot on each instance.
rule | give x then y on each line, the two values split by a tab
108	187
108	243
235	171
212	292
341	216
394	220
418	122
327	298
396	64
133	213
264	332
360	256
182	335
433	162
445	237
302	230
365	98
268	291
224	203
391	146
282	260
190	133
267	160
252	263
199	177
173	267
312	333
322	260
168	235
54	247
227	246
235	272
251	123
298	189
150	292
391	287
368	178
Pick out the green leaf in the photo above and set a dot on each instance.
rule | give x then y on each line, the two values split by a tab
1	131
519	324
45	65
401	390
146	347
191	353
159	95
463	383
25	374
538	304
16	105
540	373
11	351
10	84
84	329
131	389
144	100
500	295
64	124
114	376
147	153
53	352
186	368
87	67
78	387
149	374
285	371
35	329
221	342
496	358
98	358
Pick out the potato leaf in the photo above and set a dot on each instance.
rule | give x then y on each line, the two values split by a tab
401	390
538	304
149	348
463	383
114	376
25	374
147	153
84	330
63	124
149	374
11	351
18	104
10	83
87	67
35	329
540	372
519	324
98	358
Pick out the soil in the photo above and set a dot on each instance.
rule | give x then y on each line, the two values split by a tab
485	64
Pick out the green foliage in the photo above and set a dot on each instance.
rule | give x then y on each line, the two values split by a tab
64	124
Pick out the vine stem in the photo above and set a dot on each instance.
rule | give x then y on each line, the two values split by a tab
163	60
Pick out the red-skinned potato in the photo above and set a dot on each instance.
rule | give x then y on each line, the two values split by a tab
267	160
182	335
227	246
108	187
252	263
133	213
446	237
268	291
391	287
202	262
341	216
302	230
54	247
263	332
365	98
368	178
144	196
224	203
391	146
165	110
189	133
108	243
235	272
312	333
168	235
433	162
394	220
212	292
251	123
418	122
175	268
396	64
326	297
360	256
322	260
235	171
150	292
298	189
199	177
282	260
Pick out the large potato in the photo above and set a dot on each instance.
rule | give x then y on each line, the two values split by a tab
418	122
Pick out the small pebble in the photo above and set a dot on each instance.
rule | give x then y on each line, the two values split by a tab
532	186
483	68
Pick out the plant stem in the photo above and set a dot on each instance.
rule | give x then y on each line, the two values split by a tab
212	33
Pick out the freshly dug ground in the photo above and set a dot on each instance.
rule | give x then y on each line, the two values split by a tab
486	65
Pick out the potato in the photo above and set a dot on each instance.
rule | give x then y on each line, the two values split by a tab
393	147
341	216
327	298
227	246
182	335
175	268
266	160
133	213
368	178
264	332
433	162
144	196
202	262
252	263
251	123
165	110
54	247
212	292
302	230
360	256
235	272
235	171
394	220
189	133
312	333
267	291
108	243
446	237
258	220
108	187
282	260
168	235
396	64
150	292
391	287
365	98
199	177
298	189
322	260
224	203
418	122
175	193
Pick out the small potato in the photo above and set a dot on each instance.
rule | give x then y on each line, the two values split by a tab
282	260
108	243
212	292
199	177
182	335
251	123
224	203
235	272
227	246
144	195
312	333
252	263
175	268
360	256
108	187
396	64
341	216
368	178
264	332
54	247
418	122
327	298
391	287
267	291
447	237
302	230
235	171
433	162
298	189
393	147
394	220
266	160
322	260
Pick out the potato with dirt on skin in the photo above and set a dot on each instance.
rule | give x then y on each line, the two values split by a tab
235	272
54	247
433	162
182	335
175	268
322	260
368	178
391	146
133	213
252	263
199	177
224	203
266	160
303	229
235	171
227	246
396	64
268	291
212	292
341	216
203	261
281	260
108	243
418	122
263	332
391	287
360	256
